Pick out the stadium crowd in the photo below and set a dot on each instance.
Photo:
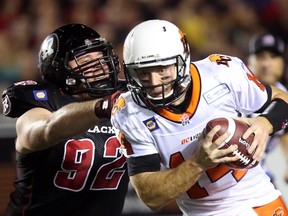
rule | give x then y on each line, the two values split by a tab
220	26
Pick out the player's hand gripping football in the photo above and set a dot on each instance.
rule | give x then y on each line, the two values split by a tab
103	107
261	128
208	154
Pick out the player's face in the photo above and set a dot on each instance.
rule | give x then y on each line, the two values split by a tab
89	67
268	67
157	80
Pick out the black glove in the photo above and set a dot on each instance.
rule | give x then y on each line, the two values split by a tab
104	106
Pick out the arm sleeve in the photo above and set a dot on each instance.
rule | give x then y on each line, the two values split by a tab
147	163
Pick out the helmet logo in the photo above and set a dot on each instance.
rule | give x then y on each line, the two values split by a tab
184	41
47	48
6	105
26	82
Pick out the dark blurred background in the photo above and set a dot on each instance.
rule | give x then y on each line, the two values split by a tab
218	26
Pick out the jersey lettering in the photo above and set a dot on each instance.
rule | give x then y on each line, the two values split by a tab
220	59
76	165
109	175
78	161
253	78
102	129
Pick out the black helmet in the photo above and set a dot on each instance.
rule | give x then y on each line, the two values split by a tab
68	43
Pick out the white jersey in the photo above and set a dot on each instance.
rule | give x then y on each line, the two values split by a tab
221	86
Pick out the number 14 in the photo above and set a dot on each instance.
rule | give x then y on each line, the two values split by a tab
214	174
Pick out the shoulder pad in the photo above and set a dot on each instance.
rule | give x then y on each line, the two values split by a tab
25	95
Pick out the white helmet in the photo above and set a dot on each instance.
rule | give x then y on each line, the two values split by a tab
156	43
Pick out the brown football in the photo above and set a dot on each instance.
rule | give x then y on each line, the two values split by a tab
236	129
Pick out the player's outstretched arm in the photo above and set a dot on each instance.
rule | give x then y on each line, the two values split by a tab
156	189
38	128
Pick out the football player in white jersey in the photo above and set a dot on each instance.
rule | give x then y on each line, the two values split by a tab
161	119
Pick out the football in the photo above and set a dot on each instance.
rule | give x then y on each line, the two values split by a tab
236	129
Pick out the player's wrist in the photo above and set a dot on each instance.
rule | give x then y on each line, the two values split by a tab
277	114
268	123
103	107
197	165
98	109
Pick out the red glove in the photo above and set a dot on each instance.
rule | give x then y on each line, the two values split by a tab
104	106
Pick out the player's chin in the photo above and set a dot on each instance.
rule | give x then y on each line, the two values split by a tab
155	95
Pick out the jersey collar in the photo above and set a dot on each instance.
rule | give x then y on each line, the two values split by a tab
194	100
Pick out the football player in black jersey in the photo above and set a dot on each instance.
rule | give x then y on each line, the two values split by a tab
67	156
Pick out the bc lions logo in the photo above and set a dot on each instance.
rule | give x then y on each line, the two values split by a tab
119	105
220	59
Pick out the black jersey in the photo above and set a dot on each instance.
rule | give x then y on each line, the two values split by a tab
84	175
